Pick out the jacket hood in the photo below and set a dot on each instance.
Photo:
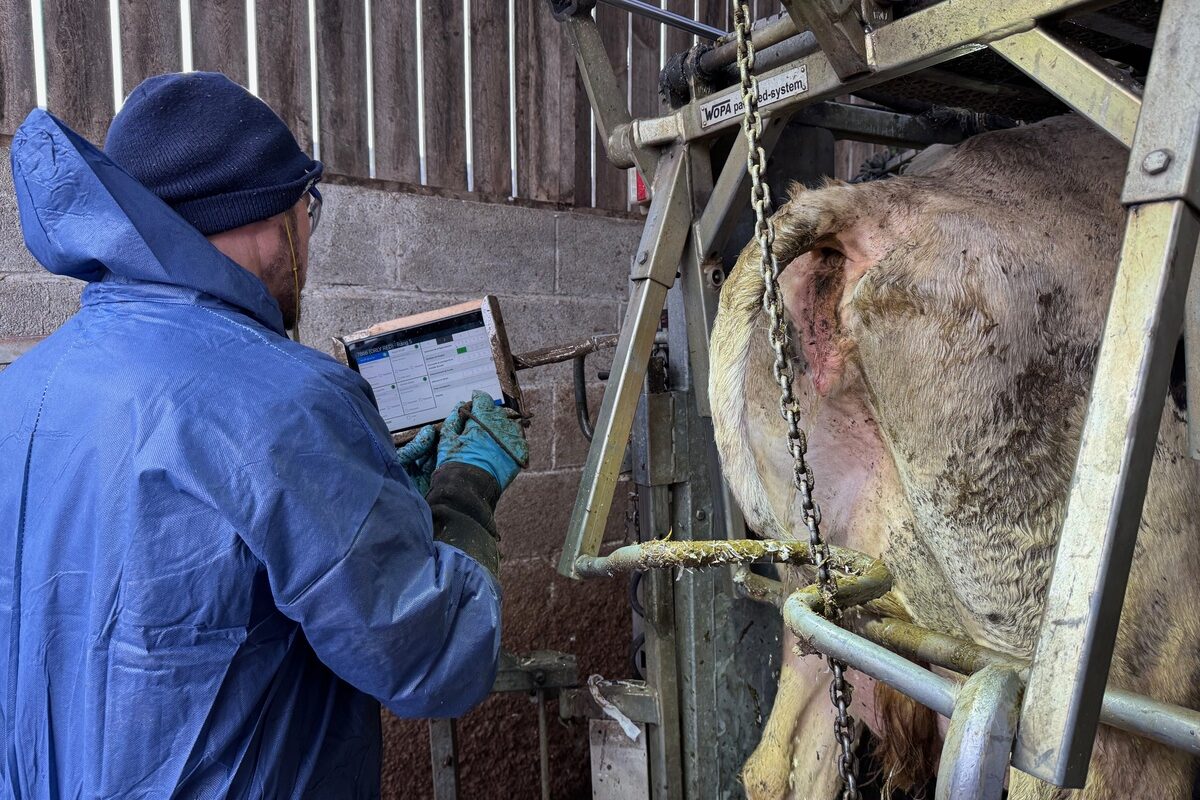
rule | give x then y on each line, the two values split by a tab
84	217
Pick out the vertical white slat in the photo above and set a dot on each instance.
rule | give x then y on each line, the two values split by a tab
251	48
468	107
420	26
312	74
185	35
39	51
370	89
512	93
662	39
114	36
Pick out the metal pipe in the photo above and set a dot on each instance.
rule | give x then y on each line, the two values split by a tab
579	373
1174	726
563	352
766	32
758	587
792	48
975	755
921	644
668	18
697	554
820	635
543	744
690	554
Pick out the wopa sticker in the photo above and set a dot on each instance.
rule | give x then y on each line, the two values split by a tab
770	90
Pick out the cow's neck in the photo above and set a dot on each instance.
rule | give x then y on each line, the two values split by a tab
985	474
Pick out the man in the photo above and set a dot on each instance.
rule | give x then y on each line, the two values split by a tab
213	567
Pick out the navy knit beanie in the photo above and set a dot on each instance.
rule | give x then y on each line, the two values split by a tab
211	150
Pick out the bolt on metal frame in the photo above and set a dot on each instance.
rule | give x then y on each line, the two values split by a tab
689	220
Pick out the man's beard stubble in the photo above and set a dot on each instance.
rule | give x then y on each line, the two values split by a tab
281	276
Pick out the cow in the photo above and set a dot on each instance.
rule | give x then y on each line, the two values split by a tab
946	325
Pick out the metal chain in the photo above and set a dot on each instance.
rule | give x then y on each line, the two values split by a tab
764	233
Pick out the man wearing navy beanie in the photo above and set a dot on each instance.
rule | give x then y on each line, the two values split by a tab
223	160
222	567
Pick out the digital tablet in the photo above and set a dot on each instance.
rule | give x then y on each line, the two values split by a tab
420	366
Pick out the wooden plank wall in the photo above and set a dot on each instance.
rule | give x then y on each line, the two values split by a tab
849	156
394	67
445	106
18	94
611	183
284	75
342	86
219	37
79	84
150	40
558	156
491	165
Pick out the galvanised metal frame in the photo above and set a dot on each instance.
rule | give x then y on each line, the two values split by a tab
689	219
541	674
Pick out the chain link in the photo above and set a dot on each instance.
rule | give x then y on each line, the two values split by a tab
764	233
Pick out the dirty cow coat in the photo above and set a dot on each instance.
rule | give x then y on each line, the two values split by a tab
210	563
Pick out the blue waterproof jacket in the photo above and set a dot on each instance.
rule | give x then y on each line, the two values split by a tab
211	566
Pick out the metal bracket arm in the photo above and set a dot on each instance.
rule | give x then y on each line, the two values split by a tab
928	37
731	192
634	699
876	125
1191	353
605	94
1087	84
1165	158
839	31
658	257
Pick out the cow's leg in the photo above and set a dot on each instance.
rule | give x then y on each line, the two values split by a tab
797	755
767	773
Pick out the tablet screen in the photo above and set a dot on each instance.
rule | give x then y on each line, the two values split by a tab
419	373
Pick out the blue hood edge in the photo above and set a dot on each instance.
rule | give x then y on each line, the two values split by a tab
84	217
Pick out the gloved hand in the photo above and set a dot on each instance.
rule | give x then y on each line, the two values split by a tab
419	457
483	435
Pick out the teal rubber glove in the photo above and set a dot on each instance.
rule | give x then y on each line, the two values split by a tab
419	457
483	435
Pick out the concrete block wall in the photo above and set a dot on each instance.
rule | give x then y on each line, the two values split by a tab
560	275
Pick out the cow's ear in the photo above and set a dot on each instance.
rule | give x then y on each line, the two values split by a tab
823	250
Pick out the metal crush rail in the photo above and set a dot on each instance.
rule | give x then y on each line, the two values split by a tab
1165	723
882	647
